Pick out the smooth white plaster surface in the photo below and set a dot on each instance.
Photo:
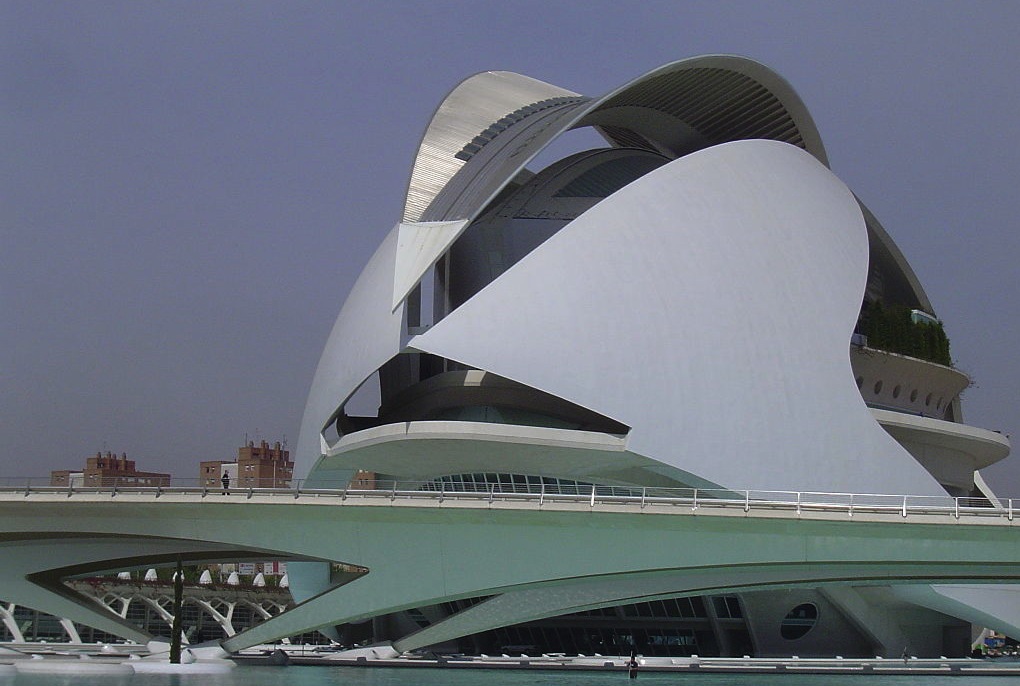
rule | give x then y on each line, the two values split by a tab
366	334
419	245
707	305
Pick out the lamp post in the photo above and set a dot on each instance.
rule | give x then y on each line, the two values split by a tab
175	630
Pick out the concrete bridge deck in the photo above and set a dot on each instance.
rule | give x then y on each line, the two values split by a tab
535	555
708	502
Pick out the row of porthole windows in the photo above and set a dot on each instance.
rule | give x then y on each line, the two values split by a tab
898	391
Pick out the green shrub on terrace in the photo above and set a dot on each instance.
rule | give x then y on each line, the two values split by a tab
892	329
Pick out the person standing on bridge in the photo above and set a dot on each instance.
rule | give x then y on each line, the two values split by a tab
225	480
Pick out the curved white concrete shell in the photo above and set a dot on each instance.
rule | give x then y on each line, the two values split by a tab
674	310
681	270
471	107
366	334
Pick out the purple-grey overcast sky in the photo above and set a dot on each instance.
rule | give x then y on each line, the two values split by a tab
189	189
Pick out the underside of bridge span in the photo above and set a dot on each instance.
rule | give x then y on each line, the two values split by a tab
532	563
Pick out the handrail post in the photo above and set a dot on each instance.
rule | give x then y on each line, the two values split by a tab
442	490
491	489
1009	510
747	501
393	493
297	488
904	510
541	495
798	502
593	495
644	490
956	503
70	486
851	512
695	505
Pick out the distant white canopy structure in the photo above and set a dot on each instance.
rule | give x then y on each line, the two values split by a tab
677	306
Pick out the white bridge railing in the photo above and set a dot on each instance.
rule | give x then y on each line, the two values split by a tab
624	498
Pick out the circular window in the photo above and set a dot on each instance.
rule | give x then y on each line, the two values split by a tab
913	395
799	621
896	392
860	381
878	387
927	400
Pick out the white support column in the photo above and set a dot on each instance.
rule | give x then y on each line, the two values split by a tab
224	620
72	633
125	603
7	615
258	608
156	605
110	599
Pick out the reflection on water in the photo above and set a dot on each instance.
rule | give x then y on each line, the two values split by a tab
382	676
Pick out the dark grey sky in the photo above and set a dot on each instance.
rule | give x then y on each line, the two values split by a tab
188	190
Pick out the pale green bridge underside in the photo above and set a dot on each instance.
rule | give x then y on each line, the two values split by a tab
538	559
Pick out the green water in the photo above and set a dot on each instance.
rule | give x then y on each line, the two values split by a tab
381	676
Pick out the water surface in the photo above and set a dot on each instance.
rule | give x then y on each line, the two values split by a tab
383	676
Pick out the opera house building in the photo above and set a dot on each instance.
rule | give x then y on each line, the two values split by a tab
661	287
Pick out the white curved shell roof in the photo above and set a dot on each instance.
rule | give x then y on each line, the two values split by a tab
710	99
366	334
472	106
696	314
708	306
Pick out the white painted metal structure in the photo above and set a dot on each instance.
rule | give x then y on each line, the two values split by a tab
124	597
